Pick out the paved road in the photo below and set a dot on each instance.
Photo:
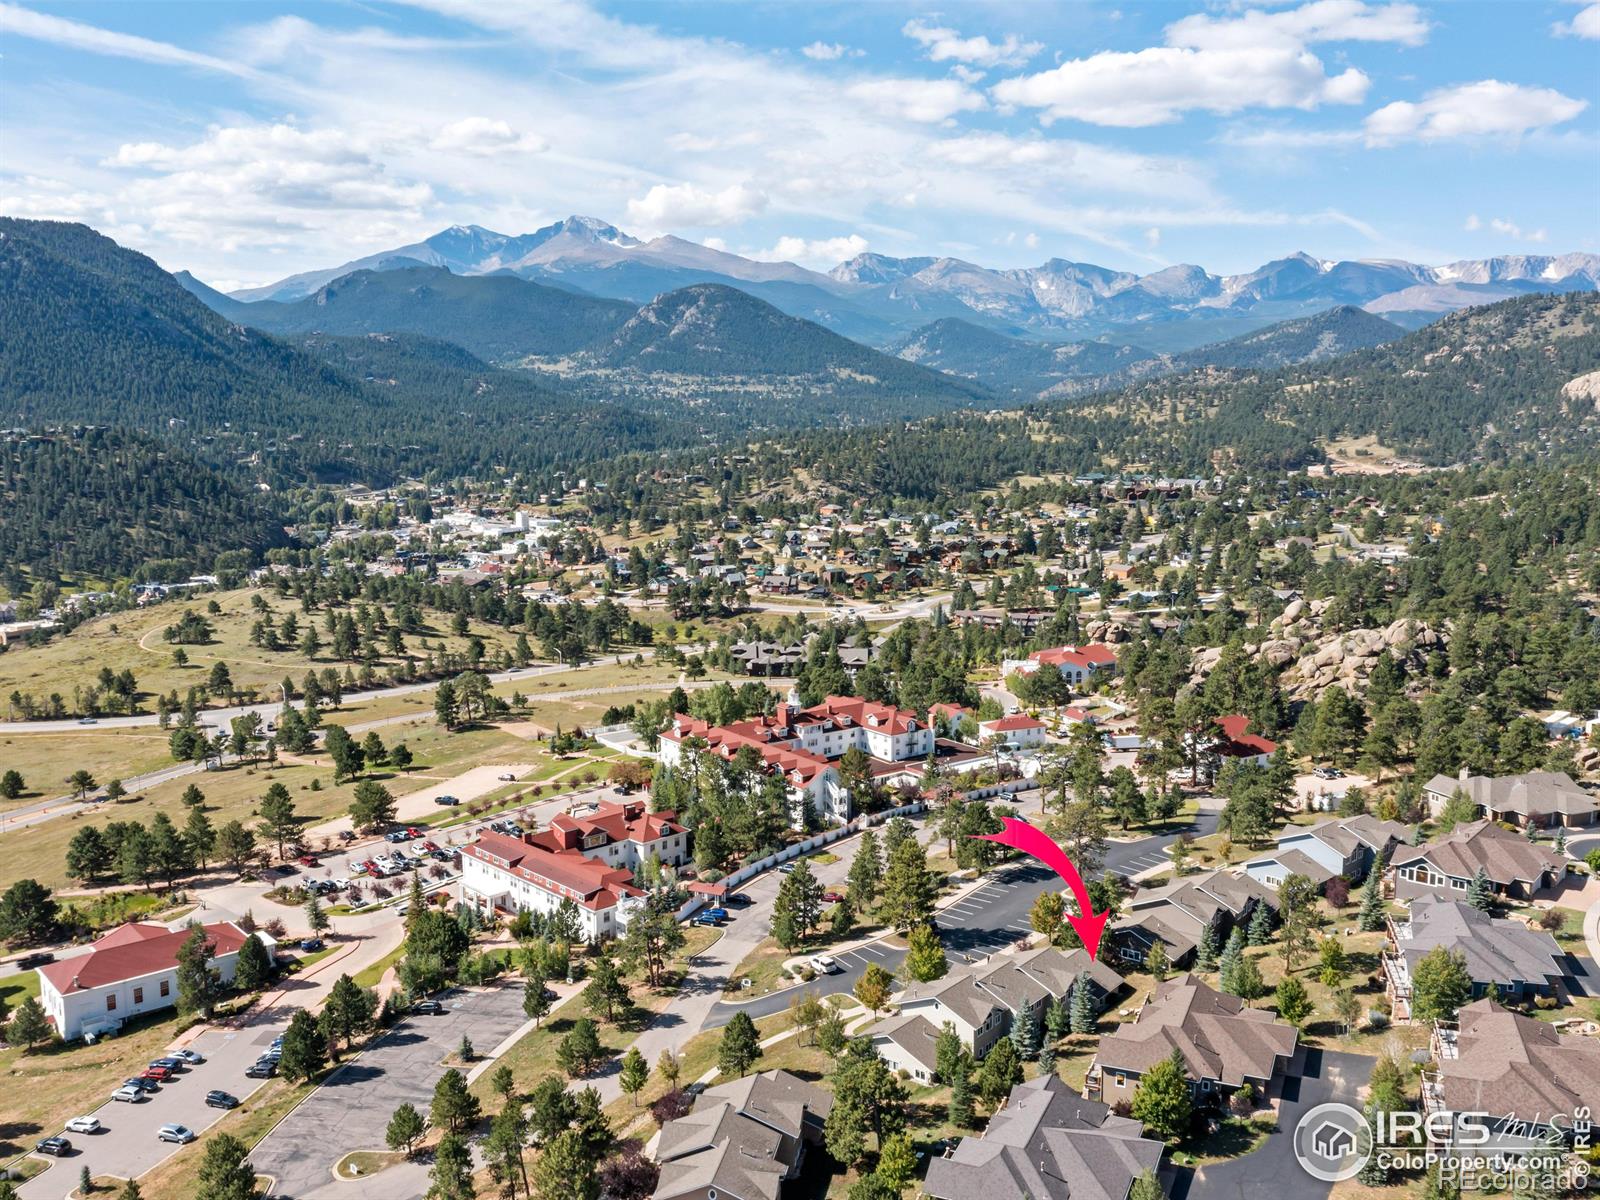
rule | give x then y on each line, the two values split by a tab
986	920
1272	1172
353	1108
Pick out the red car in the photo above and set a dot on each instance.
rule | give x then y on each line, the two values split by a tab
159	1074
413	832
429	847
307	860
832	897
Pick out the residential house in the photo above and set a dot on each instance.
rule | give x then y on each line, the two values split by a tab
1077	664
1521	962
743	1140
128	972
1178	914
1046	1143
1516	867
1343	846
1543	799
1223	1043
1511	1068
1017	729
980	1002
1237	744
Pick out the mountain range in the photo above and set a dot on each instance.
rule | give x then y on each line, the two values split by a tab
878	299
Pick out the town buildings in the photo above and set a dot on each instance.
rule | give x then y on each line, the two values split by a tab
743	1140
1344	846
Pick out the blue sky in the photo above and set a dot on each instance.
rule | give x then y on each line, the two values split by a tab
246	141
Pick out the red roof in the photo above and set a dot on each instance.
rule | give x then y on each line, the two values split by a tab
1240	743
1087	658
134	950
629	822
586	881
1014	721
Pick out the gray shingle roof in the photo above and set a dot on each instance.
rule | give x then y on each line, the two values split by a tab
1218	1037
1046	1142
1506	856
1533	793
744	1137
1496	951
1511	1065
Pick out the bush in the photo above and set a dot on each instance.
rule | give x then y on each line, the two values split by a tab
1377	1020
1552	919
670	1107
1337	891
1545	1003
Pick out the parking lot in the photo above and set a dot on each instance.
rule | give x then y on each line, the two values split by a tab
351	1110
127	1143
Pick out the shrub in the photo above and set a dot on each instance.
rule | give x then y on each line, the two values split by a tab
671	1106
1337	891
1552	919
1377	1020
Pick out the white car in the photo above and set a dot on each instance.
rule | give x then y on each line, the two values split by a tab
824	964
128	1095
340	885
181	1134
83	1125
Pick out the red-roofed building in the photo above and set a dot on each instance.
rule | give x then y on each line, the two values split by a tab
804	743
619	835
130	971
505	874
1239	744
1076	663
1017	728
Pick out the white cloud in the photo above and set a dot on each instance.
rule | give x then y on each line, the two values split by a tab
668	207
946	45
1320	21
485	136
24	22
1584	24
924	100
1219	64
819	252
1472	223
1488	108
829	51
1152	237
1064	162
1153	86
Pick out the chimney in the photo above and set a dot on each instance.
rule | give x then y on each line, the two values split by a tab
1462	775
783	715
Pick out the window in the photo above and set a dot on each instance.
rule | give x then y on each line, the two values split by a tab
166	988
111	1004
138	995
1122	1080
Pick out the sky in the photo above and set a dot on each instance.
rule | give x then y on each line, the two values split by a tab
247	141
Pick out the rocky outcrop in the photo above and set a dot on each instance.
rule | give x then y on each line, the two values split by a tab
1314	662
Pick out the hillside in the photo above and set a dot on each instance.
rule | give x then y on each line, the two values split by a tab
104	503
496	317
1021	368
739	354
92	332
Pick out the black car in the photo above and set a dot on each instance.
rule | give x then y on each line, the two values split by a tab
430	1008
347	835
263	1068
57	1146
36	959
219	1099
143	1084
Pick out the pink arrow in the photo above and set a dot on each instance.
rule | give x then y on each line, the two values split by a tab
1019	835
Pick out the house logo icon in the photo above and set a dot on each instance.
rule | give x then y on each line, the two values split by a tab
1332	1142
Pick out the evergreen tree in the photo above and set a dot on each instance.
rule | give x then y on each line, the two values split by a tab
908	888
1480	892
635	1073
225	1172
405	1129
740	1046
579	1050
1146	1187
1228	963
1294	1005
253	968
960	1110
1058	1018
199	984
454	1108
1000	1071
1247	981
606	994
451	1176
1082	1011
947	1052
29	1025
305	1050
1260	932
1156	962
1205	955
1373	913
1025	1033
566	1170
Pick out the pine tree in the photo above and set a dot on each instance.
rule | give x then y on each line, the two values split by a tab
1047	1061
1373	912
1058	1018
1261	926
960	1110
1025	1033
225	1171
1082	1013
454	1108
740	1047
1146	1187
1247	981
1163	1102
635	1073
1156	962
1205	955
405	1129
1294	1005
1232	955
947	1052
1000	1072
1480	892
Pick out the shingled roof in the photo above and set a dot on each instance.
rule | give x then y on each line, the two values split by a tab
743	1138
1511	1065
1507	857
1496	951
1218	1037
133	950
1533	793
1047	1142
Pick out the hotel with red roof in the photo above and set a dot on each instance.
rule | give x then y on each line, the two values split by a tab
588	856
1076	663
803	744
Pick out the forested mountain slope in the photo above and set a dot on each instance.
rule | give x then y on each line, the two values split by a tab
102	503
496	317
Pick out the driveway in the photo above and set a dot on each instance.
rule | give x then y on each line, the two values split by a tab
351	1110
1272	1172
